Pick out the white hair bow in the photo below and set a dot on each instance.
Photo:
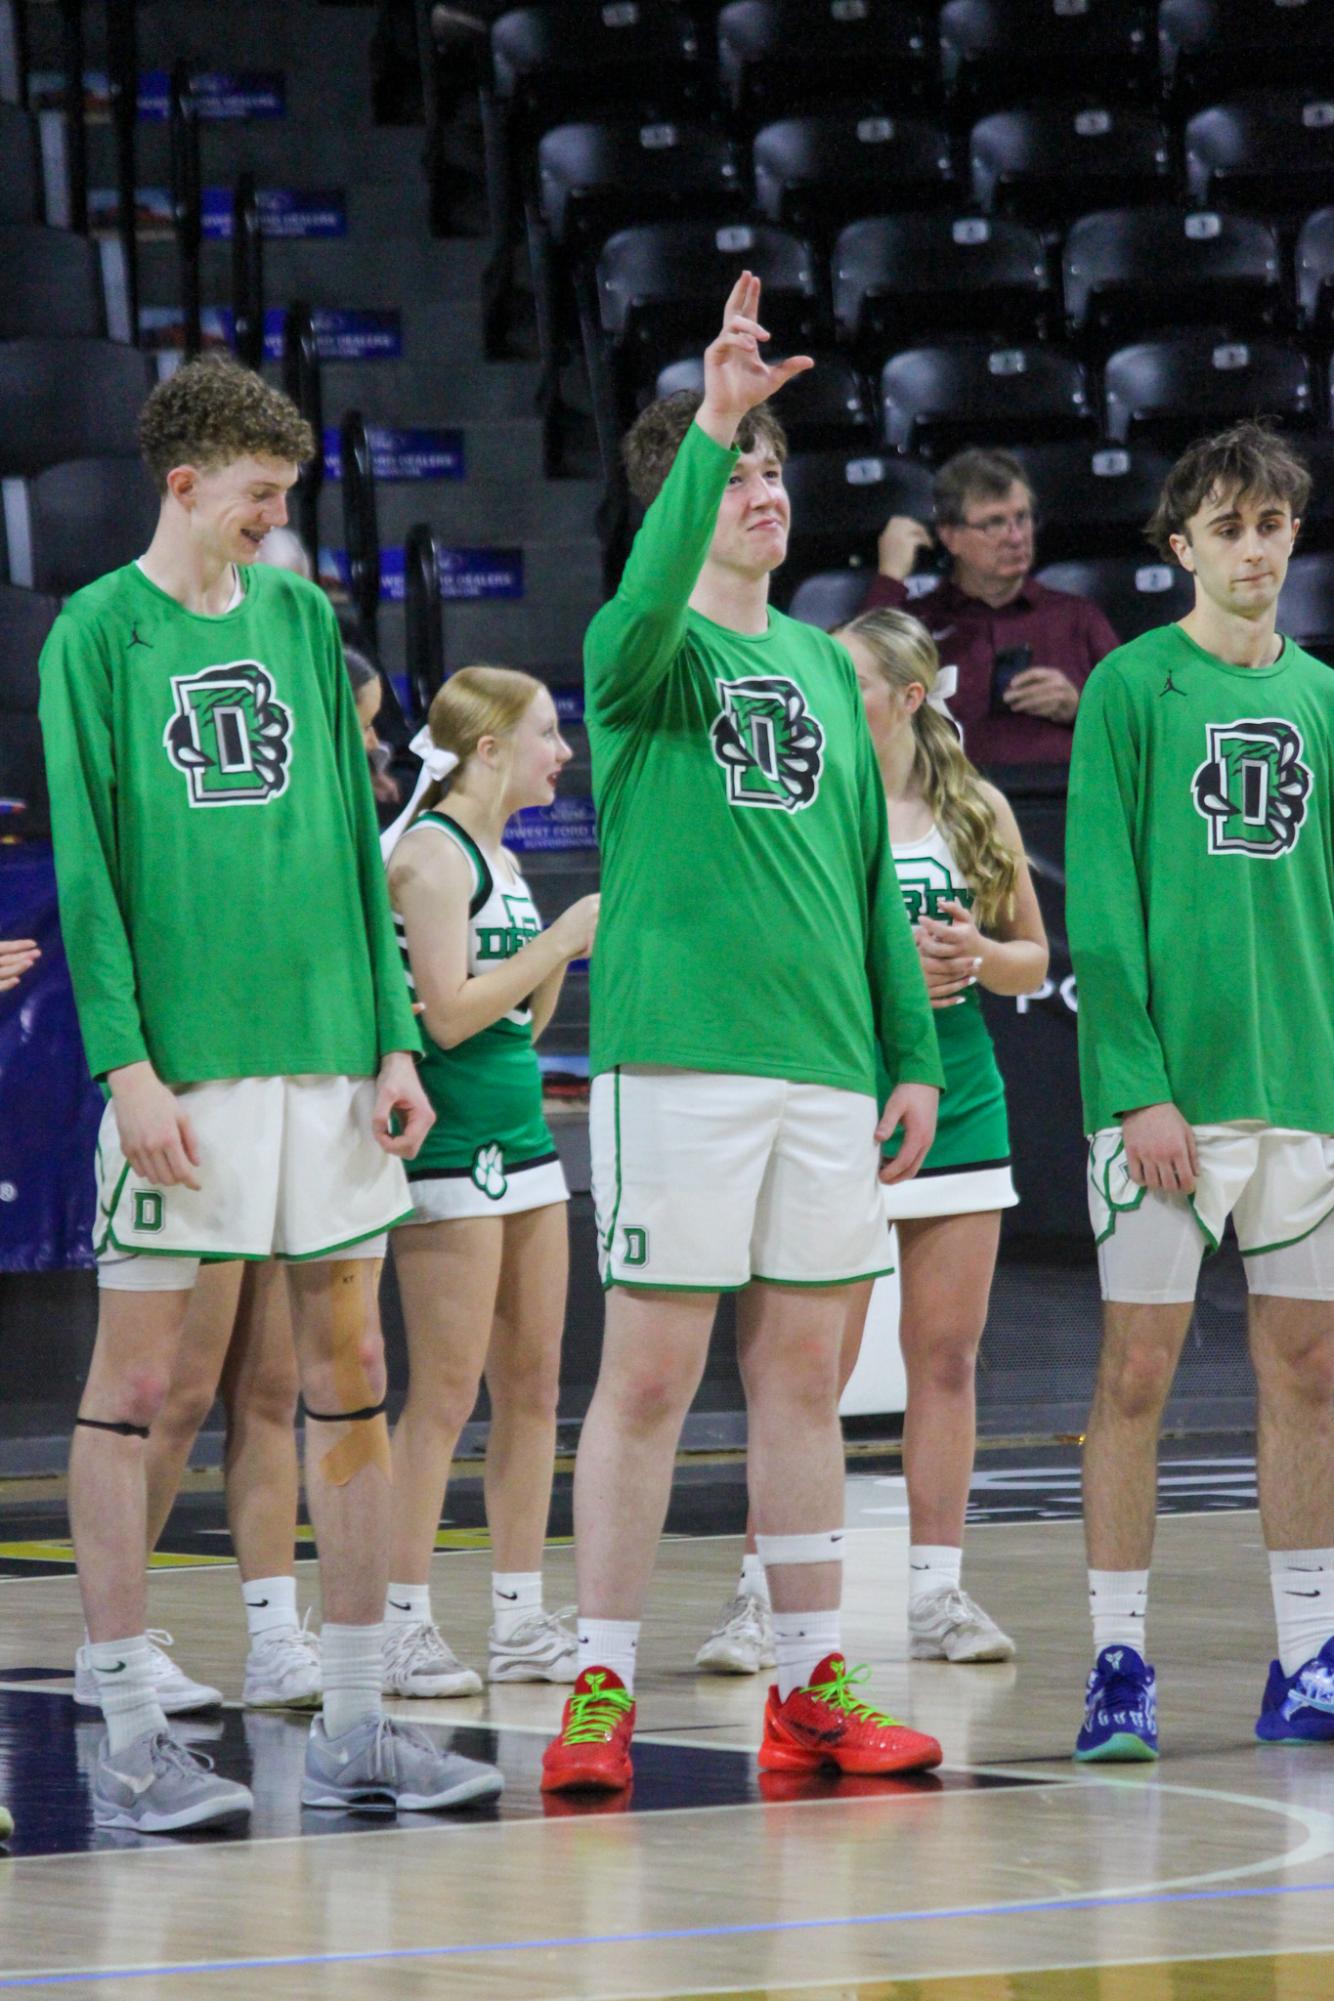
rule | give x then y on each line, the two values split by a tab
947	686
436	764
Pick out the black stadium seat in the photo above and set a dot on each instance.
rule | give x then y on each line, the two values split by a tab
830	598
789	55
938	399
1314	261
840	503
1136	592
827	406
20	175
1167	392
1093	499
68	399
903	277
1306	607
1013	51
595	179
1317	449
661	286
813	174
25	619
569	60
1046	163
52	283
1132	269
75	521
1271	151
1214	47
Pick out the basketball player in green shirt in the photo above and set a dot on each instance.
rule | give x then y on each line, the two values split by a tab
753	950
233	961
1200	853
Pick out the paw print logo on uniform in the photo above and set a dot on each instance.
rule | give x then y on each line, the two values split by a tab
488	1171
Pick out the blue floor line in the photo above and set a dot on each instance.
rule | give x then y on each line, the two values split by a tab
398	1954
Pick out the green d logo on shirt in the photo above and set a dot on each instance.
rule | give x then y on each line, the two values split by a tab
230	735
768	743
1252	788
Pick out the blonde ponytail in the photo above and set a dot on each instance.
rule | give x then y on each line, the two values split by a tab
904	651
474	702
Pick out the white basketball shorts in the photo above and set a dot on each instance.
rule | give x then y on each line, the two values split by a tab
1277	1185
288	1168
703	1181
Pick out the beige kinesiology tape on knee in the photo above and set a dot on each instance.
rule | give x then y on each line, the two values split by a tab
366	1440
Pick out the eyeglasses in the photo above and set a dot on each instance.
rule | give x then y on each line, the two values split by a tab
993	527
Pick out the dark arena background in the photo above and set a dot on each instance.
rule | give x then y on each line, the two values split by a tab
471	244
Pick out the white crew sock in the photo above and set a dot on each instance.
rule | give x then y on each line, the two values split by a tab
754	1583
1118	1606
123	1670
270	1603
610	1643
515	1596
352	1664
932	1566
407	1605
1302	1581
801	1641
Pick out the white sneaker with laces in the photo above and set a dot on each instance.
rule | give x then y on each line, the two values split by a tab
173	1688
742	1642
282	1669
541	1649
948	1625
418	1662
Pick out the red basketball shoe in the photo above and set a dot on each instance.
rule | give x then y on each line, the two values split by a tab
826	1724
592	1746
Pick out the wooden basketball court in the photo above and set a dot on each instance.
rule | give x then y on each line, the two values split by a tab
1012	1875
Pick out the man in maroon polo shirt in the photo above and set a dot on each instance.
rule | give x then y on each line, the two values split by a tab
1023	652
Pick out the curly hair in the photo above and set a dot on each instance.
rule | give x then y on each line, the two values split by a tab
653	440
1250	461
213	411
904	651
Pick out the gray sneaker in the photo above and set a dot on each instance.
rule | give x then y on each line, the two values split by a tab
948	1625
742	1642
156	1785
380	1765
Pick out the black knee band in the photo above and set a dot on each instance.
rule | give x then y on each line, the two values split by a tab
345	1416
122	1430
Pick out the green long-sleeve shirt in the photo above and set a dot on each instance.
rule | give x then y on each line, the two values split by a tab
1200	897
222	897
751	918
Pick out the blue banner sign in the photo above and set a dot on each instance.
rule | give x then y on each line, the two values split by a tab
218	94
372	335
283	212
481	573
569	704
567	826
400	455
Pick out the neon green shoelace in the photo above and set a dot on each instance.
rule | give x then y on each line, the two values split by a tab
838	1694
595	1714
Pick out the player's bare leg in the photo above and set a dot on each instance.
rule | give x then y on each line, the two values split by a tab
945	1270
523	1378
137	1339
259	1390
1141	1346
788	1345
209	1322
1292	1350
653	1353
447	1279
340	1358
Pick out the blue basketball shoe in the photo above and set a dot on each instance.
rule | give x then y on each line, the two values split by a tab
1299	1708
1120	1710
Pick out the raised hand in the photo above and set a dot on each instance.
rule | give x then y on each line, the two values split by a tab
735	377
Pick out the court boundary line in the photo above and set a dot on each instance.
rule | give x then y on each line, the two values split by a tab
665	1935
